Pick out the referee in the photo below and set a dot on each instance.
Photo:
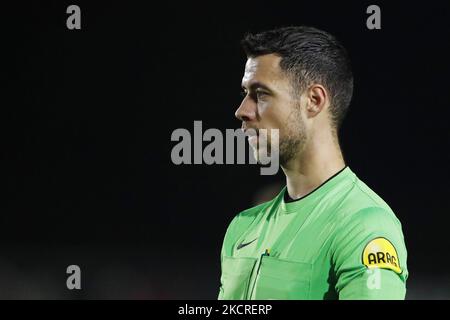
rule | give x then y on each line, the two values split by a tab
326	235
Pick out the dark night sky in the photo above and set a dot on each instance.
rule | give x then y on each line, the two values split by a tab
87	117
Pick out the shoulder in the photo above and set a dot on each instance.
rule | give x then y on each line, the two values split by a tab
364	213
370	220
364	207
241	223
363	219
369	234
245	218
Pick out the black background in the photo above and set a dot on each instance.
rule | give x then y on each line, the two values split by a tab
87	117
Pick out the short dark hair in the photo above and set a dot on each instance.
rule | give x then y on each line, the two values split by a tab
309	55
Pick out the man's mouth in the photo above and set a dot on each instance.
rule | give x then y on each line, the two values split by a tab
253	140
252	136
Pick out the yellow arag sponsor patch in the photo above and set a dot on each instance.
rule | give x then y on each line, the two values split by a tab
380	253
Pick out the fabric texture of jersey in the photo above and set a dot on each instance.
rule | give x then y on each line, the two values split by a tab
341	241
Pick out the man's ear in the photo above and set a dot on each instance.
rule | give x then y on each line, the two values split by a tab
317	99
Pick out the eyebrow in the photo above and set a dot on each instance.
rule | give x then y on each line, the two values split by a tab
257	85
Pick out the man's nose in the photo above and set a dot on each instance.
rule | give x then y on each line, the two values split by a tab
247	110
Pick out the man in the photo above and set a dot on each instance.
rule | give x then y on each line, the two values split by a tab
326	235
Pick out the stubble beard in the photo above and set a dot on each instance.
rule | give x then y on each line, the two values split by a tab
293	140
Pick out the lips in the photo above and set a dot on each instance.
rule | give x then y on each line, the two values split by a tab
252	140
252	135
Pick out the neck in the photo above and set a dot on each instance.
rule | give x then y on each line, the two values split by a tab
319	160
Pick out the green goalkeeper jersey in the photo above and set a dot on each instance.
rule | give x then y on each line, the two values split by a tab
341	241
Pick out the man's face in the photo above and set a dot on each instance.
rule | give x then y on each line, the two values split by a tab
270	103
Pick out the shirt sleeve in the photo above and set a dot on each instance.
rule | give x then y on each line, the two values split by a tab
369	256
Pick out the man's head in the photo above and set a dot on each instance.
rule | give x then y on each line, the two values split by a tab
297	80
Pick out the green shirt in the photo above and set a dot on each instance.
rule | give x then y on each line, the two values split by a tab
341	241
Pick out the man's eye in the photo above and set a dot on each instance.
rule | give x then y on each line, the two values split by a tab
260	94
